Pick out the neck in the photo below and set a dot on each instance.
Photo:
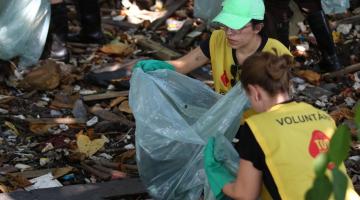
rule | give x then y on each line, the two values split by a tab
279	98
251	47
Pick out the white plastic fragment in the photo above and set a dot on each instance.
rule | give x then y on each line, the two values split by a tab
344	28
87	92
92	121
3	111
44	161
45	181
320	103
107	156
350	101
77	88
129	146
49	146
22	167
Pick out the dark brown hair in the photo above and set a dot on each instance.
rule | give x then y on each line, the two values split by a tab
269	71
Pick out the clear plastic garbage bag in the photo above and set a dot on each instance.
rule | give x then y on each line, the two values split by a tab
24	26
175	116
335	6
207	9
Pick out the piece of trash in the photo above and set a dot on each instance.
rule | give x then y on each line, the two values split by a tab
22	167
129	146
3	111
44	161
45	181
173	24
68	177
107	156
302	26
344	28
49	146
87	92
92	121
350	101
79	110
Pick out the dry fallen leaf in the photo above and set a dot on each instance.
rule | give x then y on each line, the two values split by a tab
342	113
4	188
18	181
44	77
118	49
87	146
124	107
310	76
41	128
12	128
116	101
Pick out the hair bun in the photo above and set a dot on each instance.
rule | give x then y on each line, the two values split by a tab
278	69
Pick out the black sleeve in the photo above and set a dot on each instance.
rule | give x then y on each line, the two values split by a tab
249	149
205	47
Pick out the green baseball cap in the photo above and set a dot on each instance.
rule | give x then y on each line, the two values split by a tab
236	14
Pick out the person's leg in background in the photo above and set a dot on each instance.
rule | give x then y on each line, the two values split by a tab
322	32
90	19
55	46
277	17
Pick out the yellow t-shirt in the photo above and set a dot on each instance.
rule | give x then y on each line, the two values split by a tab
222	58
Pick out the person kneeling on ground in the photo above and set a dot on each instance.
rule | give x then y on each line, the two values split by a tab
274	145
241	35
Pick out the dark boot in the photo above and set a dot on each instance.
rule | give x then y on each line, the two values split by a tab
55	46
90	19
320	28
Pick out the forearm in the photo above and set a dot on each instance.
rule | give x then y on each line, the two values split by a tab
190	61
229	190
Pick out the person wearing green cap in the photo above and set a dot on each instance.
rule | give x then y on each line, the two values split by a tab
240	36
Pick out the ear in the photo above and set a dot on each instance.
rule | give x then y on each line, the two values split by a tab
254	92
258	27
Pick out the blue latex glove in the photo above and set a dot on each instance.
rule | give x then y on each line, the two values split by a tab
152	65
218	176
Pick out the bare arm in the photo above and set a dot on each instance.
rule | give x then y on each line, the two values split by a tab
247	184
190	61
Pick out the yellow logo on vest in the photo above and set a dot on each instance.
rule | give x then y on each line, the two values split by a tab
319	143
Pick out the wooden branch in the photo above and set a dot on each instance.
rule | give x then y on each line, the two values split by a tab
106	95
118	189
109	116
115	174
172	7
56	121
161	51
181	33
36	173
346	70
349	20
100	174
123	25
191	37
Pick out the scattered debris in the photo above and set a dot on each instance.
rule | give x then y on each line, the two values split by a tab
70	124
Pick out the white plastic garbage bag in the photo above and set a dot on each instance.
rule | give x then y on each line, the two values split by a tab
335	6
24	26
175	116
